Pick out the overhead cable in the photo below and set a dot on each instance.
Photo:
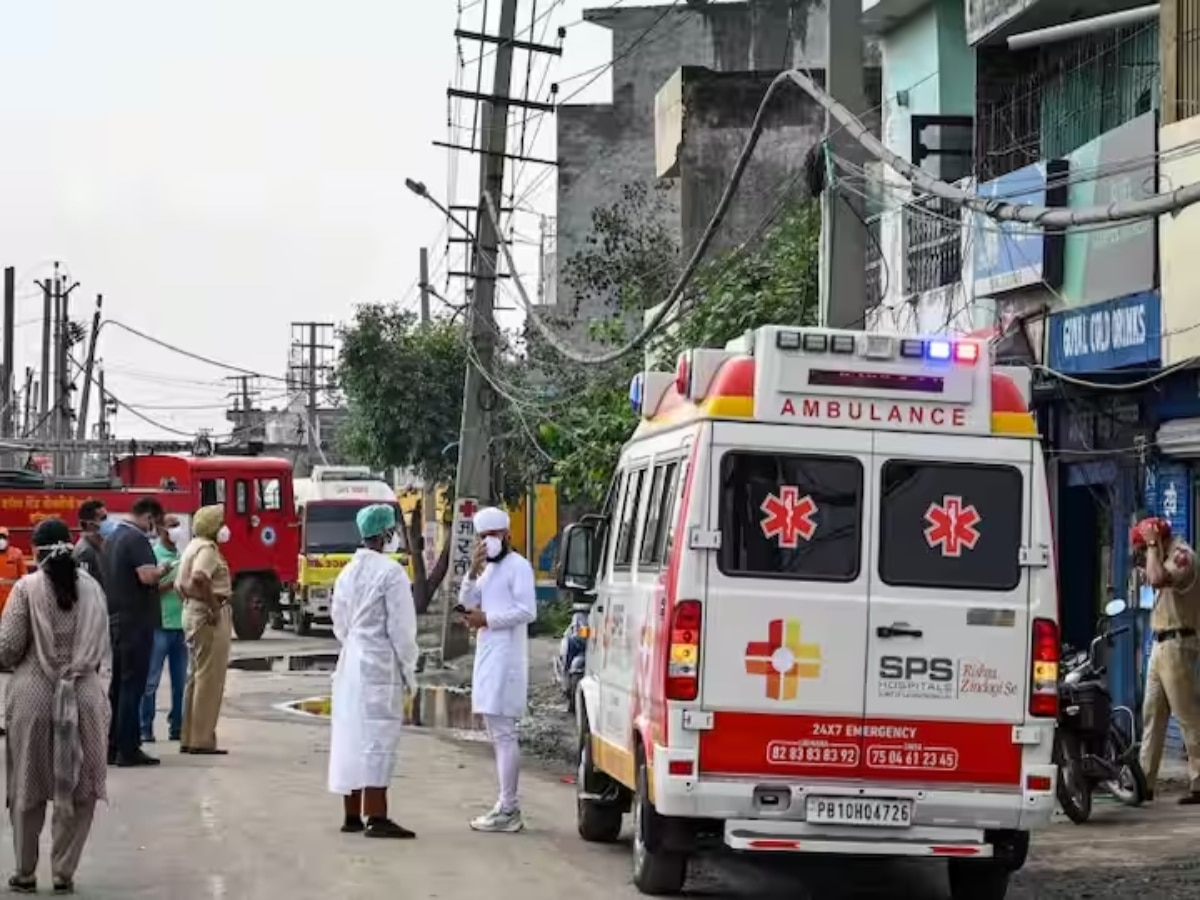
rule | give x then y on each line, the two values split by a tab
689	270
1044	216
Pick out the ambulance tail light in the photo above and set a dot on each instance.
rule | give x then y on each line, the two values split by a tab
1043	676
683	653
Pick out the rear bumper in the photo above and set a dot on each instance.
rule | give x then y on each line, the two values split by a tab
946	821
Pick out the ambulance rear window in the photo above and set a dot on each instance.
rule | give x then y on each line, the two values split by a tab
790	516
950	525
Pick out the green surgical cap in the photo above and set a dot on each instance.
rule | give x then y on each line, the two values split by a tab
375	519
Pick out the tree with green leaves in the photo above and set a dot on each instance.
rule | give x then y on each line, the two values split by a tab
631	262
403	381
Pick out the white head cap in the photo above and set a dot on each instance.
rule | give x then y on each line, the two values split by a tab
490	519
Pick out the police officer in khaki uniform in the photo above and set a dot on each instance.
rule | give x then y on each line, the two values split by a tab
1169	565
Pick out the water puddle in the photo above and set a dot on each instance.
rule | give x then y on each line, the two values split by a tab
300	662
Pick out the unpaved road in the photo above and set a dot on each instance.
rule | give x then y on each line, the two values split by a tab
259	824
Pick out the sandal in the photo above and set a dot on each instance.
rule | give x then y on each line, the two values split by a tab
23	884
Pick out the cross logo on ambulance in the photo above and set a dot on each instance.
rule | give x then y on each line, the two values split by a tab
952	526
783	659
789	517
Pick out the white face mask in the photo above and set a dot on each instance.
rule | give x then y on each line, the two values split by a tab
223	535
492	546
3	543
393	544
177	535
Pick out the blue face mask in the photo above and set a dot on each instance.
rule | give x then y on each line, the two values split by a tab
107	527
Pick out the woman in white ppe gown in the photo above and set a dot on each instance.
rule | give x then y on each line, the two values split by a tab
375	620
500	599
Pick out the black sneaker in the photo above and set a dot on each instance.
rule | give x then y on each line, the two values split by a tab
353	825
386	828
138	759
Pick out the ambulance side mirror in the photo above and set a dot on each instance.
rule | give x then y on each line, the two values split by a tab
576	554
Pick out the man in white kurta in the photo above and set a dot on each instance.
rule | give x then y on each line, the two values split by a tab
375	620
500	599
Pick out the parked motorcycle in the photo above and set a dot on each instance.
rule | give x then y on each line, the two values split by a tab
571	660
1095	746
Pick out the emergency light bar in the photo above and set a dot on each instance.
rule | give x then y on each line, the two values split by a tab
879	346
841	378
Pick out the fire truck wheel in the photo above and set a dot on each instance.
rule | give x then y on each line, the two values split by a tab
249	609
656	871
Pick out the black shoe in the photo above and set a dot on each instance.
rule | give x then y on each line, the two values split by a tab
353	825
386	828
64	887
1192	799
138	759
1149	797
112	757
174	736
209	751
21	884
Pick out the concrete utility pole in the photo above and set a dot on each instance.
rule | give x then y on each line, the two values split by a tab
102	427
43	407
472	482
89	370
843	232
30	390
424	285
9	372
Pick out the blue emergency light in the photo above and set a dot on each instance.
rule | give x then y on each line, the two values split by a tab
637	391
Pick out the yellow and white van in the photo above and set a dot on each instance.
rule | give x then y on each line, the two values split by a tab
825	614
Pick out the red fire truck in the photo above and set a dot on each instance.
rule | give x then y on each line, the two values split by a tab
259	509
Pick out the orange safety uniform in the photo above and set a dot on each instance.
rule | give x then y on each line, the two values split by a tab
12	567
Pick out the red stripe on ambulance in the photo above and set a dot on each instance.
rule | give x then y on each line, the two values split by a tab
847	747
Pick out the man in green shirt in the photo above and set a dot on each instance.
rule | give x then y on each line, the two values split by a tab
170	648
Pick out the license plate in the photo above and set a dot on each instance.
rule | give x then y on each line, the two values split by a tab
860	811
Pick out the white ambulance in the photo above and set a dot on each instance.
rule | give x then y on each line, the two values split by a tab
825	614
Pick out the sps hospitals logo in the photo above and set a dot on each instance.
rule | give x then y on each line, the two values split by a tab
783	659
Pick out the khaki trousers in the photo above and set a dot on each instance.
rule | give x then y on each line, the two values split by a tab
208	658
69	833
1171	689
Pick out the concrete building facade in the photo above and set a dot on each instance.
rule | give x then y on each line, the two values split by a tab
603	147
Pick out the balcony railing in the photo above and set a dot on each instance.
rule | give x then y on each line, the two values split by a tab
932	244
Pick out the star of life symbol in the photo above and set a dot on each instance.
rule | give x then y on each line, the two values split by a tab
789	517
952	526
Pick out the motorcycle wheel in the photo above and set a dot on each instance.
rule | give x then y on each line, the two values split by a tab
1130	786
1074	791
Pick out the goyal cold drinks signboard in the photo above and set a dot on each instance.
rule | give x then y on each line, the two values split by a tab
1116	334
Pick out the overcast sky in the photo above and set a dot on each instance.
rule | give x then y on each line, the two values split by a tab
219	170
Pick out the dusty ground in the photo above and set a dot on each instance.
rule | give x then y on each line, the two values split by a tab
259	824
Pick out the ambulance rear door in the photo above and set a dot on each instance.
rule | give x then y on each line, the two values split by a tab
785	611
949	626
